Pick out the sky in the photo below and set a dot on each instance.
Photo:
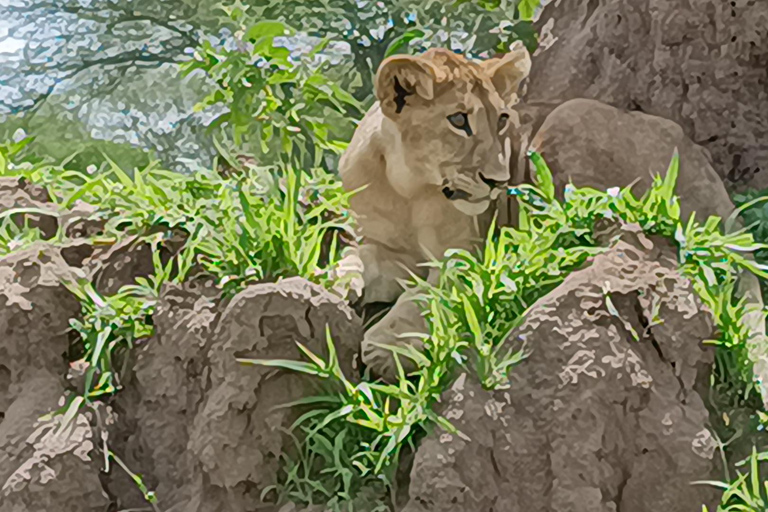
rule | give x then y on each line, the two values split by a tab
8	45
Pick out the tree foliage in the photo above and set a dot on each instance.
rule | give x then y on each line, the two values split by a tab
110	66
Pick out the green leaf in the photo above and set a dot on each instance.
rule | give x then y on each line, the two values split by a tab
670	180
527	8
474	325
267	29
296	366
543	176
30	210
101	340
402	40
69	416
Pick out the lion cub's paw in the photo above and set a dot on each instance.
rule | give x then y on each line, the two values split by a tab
348	276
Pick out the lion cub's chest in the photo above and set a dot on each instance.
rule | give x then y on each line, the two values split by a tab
437	226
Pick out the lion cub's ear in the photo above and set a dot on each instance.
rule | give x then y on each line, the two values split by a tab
401	76
507	72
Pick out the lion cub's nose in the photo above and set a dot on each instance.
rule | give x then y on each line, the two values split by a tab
491	183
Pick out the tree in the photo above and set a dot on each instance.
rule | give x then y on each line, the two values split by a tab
81	56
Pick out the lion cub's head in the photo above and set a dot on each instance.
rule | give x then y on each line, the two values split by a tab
452	120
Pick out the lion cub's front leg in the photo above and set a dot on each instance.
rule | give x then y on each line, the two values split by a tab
400	327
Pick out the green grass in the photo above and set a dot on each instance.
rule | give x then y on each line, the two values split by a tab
478	300
262	225
746	493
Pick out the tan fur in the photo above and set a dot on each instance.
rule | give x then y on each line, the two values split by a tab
410	158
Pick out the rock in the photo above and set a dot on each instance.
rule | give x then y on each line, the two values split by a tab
622	148
627	148
167	391
118	265
82	220
200	425
10	185
17	193
702	64
35	309
112	267
238	435
76	252
605	414
45	465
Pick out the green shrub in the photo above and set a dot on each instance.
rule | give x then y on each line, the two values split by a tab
277	106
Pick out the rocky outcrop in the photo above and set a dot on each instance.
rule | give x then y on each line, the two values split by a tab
702	64
48	463
606	412
44	465
205	429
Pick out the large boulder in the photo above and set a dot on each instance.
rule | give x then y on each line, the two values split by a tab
591	144
165	391
46	464
605	414
702	64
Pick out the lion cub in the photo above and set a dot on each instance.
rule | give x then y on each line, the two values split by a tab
432	155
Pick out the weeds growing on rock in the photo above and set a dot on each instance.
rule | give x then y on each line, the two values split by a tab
259	226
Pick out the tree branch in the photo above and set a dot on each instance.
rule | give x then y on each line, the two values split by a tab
123	60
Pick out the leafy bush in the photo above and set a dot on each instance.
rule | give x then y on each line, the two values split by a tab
276	104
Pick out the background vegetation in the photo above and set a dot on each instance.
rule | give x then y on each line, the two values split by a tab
223	123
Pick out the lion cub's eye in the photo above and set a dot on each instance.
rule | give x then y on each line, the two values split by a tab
460	121
503	120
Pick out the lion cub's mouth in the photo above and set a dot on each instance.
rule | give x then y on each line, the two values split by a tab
455	195
458	194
